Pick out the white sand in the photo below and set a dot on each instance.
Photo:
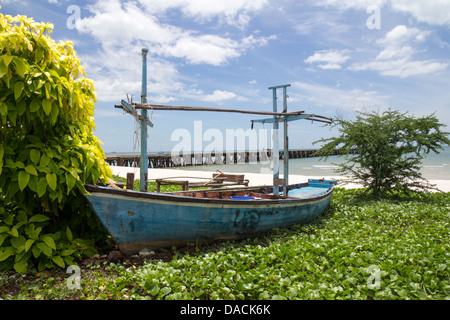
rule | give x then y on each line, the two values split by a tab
255	179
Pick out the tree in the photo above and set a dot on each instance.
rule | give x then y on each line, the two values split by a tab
47	149
390	147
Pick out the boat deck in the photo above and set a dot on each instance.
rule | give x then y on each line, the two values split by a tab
307	192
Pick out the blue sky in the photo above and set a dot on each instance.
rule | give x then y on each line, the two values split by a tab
338	56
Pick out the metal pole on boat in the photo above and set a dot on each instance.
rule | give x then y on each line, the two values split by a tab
144	154
286	144
275	152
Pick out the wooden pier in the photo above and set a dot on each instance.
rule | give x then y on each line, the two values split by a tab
168	160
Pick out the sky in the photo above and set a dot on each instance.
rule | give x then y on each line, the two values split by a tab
338	56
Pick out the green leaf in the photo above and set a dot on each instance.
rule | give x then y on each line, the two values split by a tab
2	238
3	69
47	105
36	251
70	181
2	152
54	113
45	160
24	177
8	219
3	109
31	170
13	231
42	187
6	253
21	266
18	89
35	156
166	290
7	59
58	260
45	249
18	242
51	180
39	218
4	229
21	67
67	252
153	290
49	242
21	106
35	105
69	234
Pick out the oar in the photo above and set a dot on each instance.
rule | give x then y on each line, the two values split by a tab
220	173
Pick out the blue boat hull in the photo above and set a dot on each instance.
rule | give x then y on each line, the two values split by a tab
137	220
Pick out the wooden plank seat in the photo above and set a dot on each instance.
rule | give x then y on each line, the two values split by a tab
218	180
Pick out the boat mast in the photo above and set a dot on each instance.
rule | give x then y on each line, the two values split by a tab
144	155
275	155
284	117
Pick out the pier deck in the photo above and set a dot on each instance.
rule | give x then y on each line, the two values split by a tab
167	160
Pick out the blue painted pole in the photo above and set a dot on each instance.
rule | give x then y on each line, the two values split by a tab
144	153
275	151
286	144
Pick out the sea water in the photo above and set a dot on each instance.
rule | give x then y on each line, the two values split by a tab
434	166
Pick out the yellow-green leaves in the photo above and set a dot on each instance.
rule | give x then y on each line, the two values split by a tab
24	177
18	88
31	170
35	156
35	105
47	148
20	66
47	106
51	180
38	218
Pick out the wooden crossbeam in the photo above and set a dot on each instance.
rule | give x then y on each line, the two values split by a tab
185	108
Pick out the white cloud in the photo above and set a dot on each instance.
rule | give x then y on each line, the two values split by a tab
403	67
327	96
397	57
219	95
232	12
350	4
434	12
329	59
402	34
114	24
123	27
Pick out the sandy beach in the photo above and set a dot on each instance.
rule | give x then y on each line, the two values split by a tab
255	179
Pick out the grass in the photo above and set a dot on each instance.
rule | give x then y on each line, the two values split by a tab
362	248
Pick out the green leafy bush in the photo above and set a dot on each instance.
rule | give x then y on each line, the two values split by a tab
47	149
390	145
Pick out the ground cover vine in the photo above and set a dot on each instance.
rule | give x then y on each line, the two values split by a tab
362	248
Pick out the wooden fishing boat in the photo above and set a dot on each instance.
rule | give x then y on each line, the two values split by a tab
145	220
140	220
